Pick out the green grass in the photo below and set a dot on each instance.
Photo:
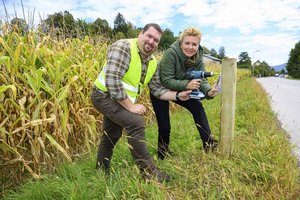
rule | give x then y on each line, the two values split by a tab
260	167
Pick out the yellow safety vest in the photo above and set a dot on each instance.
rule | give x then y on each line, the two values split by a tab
131	79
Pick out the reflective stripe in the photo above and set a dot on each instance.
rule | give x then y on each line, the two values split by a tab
130	87
132	99
131	79
126	85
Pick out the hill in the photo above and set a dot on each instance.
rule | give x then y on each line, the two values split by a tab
278	68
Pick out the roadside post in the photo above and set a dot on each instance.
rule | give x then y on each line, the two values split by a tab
228	103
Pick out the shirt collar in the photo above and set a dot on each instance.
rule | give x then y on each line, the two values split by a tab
150	57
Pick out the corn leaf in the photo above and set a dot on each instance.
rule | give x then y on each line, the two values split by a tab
5	60
3	88
58	146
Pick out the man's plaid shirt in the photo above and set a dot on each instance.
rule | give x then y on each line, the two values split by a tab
118	59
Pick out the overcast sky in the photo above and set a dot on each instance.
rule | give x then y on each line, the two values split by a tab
266	29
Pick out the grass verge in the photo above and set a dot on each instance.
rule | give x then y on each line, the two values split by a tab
261	167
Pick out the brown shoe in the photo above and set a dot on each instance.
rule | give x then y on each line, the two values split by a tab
156	175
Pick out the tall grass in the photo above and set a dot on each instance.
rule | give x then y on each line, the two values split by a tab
261	166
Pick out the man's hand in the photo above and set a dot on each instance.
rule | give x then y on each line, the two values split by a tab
138	109
135	108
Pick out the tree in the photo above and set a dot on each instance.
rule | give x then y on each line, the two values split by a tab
83	28
19	25
120	25
60	23
118	36
101	26
273	72
263	70
205	50
221	52
68	22
167	39
132	31
213	53
293	65
244	60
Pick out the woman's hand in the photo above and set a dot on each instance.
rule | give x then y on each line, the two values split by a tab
213	92
194	84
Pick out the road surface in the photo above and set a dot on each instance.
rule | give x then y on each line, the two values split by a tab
284	96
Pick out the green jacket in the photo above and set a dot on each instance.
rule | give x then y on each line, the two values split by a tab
174	65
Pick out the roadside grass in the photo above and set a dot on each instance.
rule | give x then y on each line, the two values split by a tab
261	166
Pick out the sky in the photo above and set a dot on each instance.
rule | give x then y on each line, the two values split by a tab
266	29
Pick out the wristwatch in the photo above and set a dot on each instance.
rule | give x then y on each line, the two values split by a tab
177	96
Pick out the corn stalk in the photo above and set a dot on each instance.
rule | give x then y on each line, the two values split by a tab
45	112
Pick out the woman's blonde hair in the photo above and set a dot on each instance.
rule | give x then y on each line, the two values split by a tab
190	31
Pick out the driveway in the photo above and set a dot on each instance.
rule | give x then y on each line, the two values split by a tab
284	96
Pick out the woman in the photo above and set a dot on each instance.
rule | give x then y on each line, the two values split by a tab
184	55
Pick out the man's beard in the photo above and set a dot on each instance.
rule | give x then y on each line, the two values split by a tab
149	50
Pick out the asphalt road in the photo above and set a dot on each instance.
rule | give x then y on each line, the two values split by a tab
284	96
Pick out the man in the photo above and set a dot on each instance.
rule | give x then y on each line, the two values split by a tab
129	68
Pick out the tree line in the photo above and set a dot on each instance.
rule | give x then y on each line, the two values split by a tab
263	69
62	25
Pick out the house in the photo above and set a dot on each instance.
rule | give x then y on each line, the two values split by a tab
208	59
257	63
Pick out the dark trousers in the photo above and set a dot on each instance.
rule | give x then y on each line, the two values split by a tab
161	109
115	119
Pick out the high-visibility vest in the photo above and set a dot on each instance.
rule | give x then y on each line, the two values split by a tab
131	79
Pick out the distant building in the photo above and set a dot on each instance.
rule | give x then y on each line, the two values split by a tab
257	63
210	59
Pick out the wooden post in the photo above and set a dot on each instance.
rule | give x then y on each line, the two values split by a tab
228	96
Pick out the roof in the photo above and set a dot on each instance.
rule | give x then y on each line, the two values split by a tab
212	58
257	63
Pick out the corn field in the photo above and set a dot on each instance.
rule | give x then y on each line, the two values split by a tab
46	116
45	110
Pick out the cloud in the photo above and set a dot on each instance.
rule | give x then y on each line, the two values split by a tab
272	26
274	47
222	14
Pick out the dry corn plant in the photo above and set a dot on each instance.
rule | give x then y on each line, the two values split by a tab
45	110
